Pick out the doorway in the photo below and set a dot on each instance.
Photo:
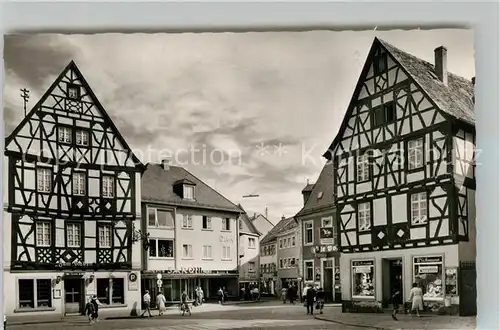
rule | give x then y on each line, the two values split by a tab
392	278
73	296
328	280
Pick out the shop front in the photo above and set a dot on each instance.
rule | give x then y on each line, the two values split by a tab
375	277
268	285
174	282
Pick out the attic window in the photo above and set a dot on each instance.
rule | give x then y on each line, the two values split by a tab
188	192
383	114
73	91
380	64
320	194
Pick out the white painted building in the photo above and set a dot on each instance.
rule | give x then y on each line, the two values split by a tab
405	182
193	234
71	200
249	251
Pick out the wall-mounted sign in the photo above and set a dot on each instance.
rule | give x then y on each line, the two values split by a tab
133	283
74	274
326	232
423	260
318	277
189	270
428	269
325	248
225	239
132	277
362	263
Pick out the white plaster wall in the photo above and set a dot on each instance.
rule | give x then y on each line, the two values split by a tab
137	247
249	253
450	253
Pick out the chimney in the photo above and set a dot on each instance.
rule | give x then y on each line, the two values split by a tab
165	164
440	64
283	217
473	80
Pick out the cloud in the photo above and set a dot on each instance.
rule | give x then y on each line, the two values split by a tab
170	93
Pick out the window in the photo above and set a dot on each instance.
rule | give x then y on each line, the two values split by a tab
187	221
226	224
362	279
82	138
226	253
79	184
73	235
380	65
415	154
43	233
73	92
251	243
293	240
189	192
207	252
207	222
428	273
44	179
64	135
160	218
364	222
281	243
383	114
327	232
418	208
105	236
108	186
251	267
161	248
309	270
240	223
111	291
363	166
187	251
281	263
308	232
35	293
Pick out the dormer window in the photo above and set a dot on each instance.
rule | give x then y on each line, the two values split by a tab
73	92
188	192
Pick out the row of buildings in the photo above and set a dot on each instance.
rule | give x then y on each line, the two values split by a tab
393	205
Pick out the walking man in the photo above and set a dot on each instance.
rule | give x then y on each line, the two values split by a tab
310	297
91	311
146	301
397	300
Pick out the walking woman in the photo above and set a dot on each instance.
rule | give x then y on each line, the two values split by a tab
161	301
417	303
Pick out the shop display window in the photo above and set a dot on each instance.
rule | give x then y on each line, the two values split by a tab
428	274
363	275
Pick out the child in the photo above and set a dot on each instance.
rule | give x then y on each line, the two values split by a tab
396	300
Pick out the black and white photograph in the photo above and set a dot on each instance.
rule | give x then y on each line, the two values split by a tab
240	180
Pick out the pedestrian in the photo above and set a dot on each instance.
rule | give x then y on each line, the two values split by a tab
201	295
304	294
396	300
146	302
292	294
283	295
417	303
320	300
161	302
310	297
220	296
184	304
90	311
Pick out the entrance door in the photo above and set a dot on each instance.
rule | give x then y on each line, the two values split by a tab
396	276
328	280
73	292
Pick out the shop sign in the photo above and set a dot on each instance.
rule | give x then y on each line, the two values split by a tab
428	269
318	277
325	248
133	283
225	239
422	260
325	232
362	269
182	270
362	263
74	273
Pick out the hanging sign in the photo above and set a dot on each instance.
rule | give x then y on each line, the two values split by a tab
326	232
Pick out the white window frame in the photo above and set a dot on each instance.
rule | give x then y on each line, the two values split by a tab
108	186
44	179
363	168
43	230
64	135
158	249
226	223
190	189
81	137
75	242
209	223
77	91
157	223
187	221
250	244
306	223
281	263
207	252
226	252
419	206
305	270
79	182
415	154
187	251
251	267
364	216
105	233
293	241
35	295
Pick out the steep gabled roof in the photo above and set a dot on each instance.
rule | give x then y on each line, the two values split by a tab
244	217
280	226
322	195
454	99
308	187
158	187
252	219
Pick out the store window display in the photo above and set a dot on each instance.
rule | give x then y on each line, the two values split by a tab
428	273
362	279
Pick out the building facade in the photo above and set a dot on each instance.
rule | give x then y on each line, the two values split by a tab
405	182
318	223
268	267
249	249
289	255
72	204
192	235
262	224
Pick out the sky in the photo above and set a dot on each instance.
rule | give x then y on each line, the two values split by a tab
247	113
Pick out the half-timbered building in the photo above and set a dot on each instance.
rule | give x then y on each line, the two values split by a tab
405	181
72	198
317	224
